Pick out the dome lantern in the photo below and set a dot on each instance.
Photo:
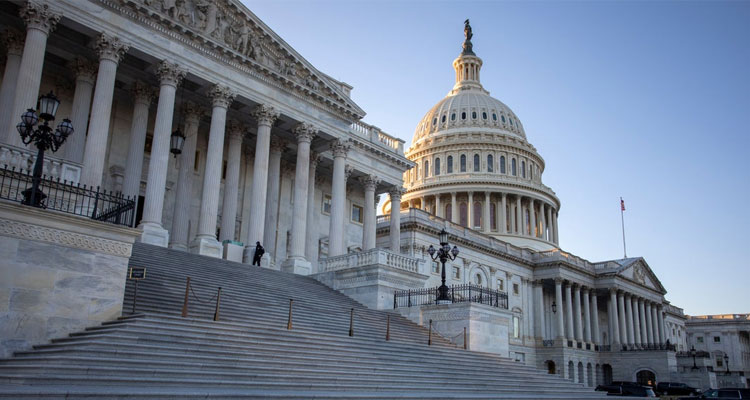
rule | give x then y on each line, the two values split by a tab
467	65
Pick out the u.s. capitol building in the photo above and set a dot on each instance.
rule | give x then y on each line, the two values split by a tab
274	151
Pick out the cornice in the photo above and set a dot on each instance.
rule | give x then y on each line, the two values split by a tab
393	158
484	185
269	61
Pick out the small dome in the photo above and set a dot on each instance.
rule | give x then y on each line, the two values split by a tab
464	109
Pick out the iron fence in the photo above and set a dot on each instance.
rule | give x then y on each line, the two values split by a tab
66	197
456	294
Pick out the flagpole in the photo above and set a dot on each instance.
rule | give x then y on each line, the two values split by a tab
622	218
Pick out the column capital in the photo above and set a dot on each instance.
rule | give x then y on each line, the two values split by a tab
83	69
38	15
370	182
612	290
314	160
142	93
305	132
585	289
265	114
396	192
13	39
235	130
627	295
575	285
348	169
193	112
221	96
111	48
278	145
169	73
339	148
558	281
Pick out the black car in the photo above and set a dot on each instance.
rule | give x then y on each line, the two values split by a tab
626	389
675	388
727	393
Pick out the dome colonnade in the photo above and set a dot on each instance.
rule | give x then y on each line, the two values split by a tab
475	167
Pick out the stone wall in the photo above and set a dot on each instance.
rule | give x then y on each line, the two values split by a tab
58	274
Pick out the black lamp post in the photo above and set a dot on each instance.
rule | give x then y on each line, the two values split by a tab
44	138
176	141
692	353
554	307
726	362
444	253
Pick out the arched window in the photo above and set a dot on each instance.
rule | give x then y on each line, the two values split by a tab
490	160
450	164
449	212
473	115
426	169
463	115
494	117
484	115
442	119
476	162
453	117
478	279
437	166
434	121
502	117
513	167
523	169
531	171
463	162
462	216
502	164
476	214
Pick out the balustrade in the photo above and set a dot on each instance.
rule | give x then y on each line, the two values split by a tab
22	160
371	257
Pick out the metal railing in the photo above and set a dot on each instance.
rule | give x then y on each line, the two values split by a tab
456	293
69	198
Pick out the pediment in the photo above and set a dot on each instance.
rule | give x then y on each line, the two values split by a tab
639	271
229	28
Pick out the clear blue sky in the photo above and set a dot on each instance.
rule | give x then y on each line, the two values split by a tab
645	100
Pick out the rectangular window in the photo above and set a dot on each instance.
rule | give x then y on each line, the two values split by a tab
699	339
515	289
327	204
719	361
357	214
717	339
516	326
500	285
435	267
456	273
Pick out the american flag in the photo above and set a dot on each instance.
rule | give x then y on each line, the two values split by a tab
622	204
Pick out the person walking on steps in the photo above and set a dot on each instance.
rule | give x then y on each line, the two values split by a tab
259	251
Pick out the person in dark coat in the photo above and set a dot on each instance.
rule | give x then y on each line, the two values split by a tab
259	251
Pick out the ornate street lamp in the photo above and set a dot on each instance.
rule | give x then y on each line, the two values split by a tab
692	353
554	307
444	253
44	138
176	141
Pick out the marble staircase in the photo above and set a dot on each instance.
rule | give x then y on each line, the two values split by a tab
249	353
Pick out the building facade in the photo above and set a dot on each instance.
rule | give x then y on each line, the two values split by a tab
724	341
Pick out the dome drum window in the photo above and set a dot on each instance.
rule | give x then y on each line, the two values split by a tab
463	115
450	164
463	162
442	119
490	163
453	117
513	167
502	164
523	169
473	115
484	115
494	117
426	169
476	163
437	167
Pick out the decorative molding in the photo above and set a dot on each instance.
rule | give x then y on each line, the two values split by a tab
20	230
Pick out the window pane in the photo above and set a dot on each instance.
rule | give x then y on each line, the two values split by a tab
426	168
437	166
327	204
463	162
523	168
513	167
476	162
489	163
450	164
502	164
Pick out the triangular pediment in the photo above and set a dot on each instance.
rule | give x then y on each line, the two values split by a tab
638	271
228	28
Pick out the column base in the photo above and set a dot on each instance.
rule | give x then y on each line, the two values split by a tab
206	246
178	246
233	250
298	266
153	233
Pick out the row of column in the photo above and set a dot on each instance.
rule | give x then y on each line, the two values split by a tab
578	317
634	321
542	221
94	91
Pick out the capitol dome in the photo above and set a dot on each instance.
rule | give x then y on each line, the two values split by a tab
474	166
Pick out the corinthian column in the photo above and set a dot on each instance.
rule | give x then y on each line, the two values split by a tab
503	225
231	183
532	218
586	313
518	229
85	78
569	312
205	241
622	315
170	75
549	229
312	236
142	96
339	149
454	208
559	303
40	21
487	220
595	334
395	231
13	41
642	322
111	50
296	262
277	147
629	319
265	115
636	321
370	182
614	319
576	307
179	235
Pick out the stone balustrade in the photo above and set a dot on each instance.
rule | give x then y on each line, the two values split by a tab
375	135
23	160
371	257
